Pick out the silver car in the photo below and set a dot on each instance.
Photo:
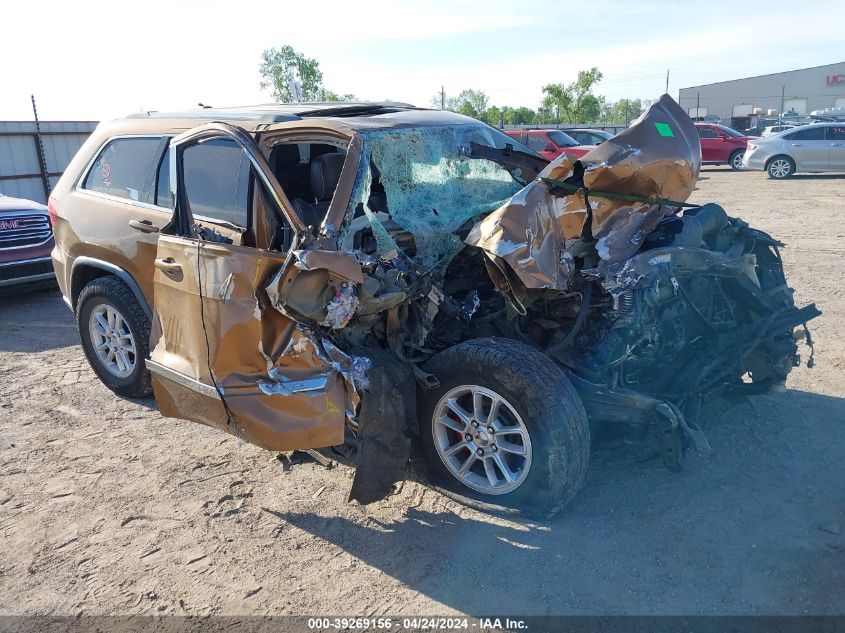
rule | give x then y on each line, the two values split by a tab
809	148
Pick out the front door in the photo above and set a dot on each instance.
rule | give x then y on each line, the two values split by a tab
540	143
809	148
222	353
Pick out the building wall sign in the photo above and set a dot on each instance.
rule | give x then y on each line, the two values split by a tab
835	80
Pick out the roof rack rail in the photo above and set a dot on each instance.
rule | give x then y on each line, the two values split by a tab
212	114
280	112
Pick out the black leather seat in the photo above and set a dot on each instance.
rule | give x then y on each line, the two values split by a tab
325	174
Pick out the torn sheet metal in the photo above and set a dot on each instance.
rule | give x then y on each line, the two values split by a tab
541	230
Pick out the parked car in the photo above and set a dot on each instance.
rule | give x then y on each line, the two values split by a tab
721	145
300	275
26	241
550	143
589	137
816	147
774	129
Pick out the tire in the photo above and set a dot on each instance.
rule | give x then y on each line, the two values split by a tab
110	295
780	167
735	160
536	394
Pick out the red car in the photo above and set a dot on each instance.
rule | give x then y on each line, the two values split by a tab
550	143
720	145
26	240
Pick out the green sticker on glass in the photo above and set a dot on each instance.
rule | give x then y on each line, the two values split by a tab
664	129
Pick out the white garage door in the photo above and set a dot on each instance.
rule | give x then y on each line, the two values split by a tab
798	106
839	103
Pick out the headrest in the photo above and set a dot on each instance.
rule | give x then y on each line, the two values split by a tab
325	174
286	155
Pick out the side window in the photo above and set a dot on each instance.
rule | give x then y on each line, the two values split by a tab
537	142
121	167
815	133
217	181
162	183
836	133
707	132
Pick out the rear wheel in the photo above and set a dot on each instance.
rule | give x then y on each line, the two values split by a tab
780	167
115	333
735	161
505	427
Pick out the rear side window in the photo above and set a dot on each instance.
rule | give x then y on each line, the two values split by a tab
121	167
217	179
815	133
537	142
836	133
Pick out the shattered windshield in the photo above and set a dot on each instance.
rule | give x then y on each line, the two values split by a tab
430	181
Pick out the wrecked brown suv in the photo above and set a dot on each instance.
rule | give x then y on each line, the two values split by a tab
314	275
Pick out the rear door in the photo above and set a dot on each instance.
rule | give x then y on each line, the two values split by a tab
222	354
712	146
836	137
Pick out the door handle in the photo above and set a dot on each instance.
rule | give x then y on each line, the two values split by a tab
168	266
797	145
837	144
145	226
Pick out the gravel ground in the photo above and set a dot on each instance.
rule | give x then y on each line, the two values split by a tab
106	507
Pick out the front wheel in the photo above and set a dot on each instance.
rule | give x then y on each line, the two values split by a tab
505	427
735	160
780	167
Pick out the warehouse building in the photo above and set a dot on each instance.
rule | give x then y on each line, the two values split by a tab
795	94
32	158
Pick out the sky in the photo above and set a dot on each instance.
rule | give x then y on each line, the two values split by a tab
87	60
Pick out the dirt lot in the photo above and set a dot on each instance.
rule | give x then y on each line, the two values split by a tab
106	507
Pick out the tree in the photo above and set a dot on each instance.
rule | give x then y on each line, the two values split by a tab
494	116
469	102
280	67
590	109
626	110
519	116
584	104
574	102
558	100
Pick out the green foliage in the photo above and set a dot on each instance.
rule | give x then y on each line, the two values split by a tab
626	110
575	102
282	66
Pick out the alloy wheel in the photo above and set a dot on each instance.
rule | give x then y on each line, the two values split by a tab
112	340
736	163
482	440
780	168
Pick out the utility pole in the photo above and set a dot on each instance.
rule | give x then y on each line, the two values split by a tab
698	106
667	81
782	95
442	98
39	149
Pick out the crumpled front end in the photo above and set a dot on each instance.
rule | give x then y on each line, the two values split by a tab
562	221
653	305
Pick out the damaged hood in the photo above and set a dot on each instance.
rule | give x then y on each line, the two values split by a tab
563	215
